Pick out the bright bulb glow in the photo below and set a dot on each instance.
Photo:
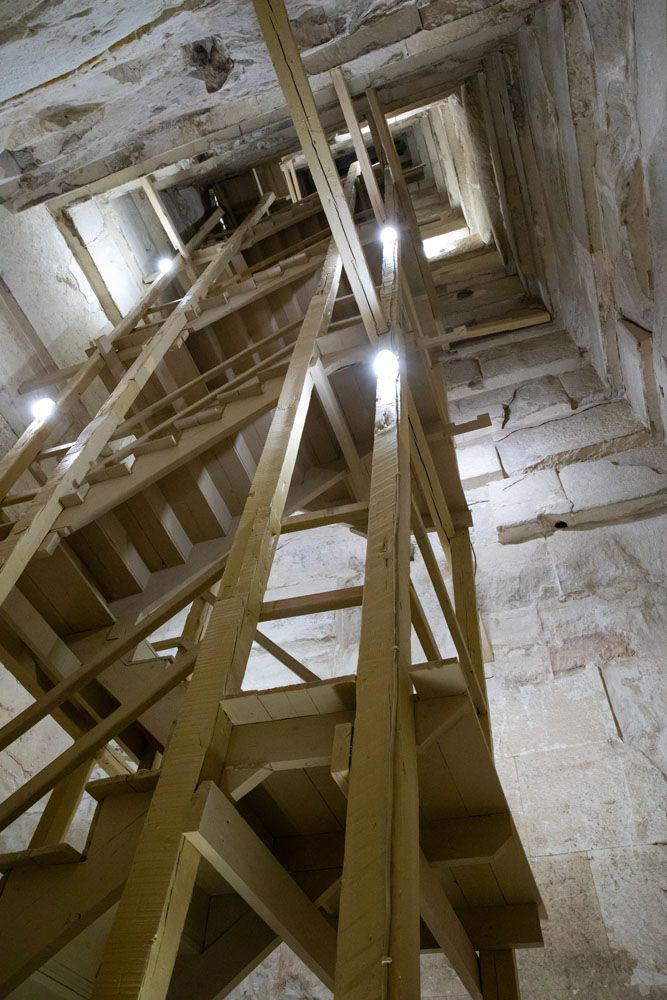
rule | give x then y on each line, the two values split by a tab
165	265
43	408
435	246
386	364
389	235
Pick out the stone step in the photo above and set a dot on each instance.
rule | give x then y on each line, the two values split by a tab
593	432
620	487
512	362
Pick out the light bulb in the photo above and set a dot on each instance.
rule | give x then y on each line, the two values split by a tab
388	235
43	408
165	265
385	364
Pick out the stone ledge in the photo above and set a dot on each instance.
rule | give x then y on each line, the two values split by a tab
618	488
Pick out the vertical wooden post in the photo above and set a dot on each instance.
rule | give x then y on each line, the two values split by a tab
465	601
499	975
144	938
378	930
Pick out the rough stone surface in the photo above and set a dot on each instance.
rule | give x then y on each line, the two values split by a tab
588	434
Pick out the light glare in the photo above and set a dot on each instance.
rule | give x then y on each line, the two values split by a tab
164	265
43	408
385	364
388	235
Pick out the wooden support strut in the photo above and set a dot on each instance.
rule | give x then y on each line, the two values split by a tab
143	942
378	935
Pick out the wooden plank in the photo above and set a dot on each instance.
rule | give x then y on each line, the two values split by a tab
516	320
467	840
227	842
138	960
334	412
285	744
293	79
168	225
52	854
515	926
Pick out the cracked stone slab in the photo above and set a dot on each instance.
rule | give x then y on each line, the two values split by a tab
550	354
593	433
511	406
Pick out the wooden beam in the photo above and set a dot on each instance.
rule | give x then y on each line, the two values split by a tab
287	660
351	513
312	604
443	923
139	956
499	975
293	79
378	929
67	229
518	320
285	744
352	123
88	745
228	843
168	225
359	477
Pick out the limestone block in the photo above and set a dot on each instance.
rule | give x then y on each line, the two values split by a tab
592	433
568	711
575	960
549	354
610	556
461	374
623	486
513	627
521	665
514	576
478	464
614	488
628	885
636	690
524	506
597	628
576	798
535	401
583	386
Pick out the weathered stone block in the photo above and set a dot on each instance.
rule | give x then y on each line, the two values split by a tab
592	433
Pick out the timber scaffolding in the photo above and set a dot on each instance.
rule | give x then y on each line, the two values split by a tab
359	819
